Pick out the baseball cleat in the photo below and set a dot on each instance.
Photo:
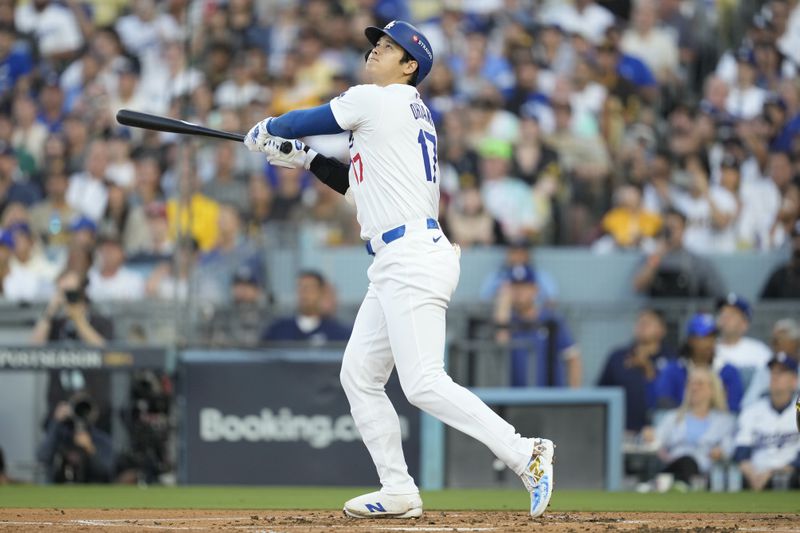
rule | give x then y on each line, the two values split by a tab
538	476
380	505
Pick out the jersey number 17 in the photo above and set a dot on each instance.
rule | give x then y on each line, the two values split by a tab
429	157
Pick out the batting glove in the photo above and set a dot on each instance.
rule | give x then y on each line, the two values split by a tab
257	136
288	154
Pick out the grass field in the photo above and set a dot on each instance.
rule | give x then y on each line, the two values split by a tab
126	497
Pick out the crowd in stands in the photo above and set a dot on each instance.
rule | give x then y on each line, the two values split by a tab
559	123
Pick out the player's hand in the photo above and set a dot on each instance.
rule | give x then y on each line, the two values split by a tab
288	154
257	136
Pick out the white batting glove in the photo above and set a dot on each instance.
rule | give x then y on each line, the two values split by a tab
257	136
288	154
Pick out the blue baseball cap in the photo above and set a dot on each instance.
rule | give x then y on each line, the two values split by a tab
6	238
701	325
248	272
781	358
410	39
22	227
81	223
738	302
521	274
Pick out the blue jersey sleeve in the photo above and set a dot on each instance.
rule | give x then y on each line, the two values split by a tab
304	122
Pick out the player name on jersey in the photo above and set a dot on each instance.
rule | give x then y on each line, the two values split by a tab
420	111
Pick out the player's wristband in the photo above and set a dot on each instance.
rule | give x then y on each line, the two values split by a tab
310	155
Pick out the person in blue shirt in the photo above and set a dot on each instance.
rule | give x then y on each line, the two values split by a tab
520	253
634	367
310	323
543	352
15	60
699	350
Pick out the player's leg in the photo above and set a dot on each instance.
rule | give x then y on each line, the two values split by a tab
366	367
414	289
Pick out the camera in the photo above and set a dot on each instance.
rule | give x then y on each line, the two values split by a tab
82	411
73	296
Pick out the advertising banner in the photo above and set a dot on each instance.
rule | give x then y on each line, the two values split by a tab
276	419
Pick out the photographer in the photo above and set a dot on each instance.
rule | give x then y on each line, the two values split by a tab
74	449
78	321
70	318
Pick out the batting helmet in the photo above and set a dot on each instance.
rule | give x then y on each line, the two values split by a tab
408	37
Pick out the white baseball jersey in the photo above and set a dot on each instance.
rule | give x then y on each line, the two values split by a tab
772	435
394	171
748	352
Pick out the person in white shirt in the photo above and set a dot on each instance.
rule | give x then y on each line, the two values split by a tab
54	27
767	442
745	99
785	338
657	47
725	207
110	279
761	201
87	191
733	347
584	17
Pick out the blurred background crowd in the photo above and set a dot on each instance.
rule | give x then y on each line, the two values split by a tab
667	128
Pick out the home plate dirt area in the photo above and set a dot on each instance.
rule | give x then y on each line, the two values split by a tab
137	520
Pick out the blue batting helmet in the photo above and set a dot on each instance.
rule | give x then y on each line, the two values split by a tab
410	38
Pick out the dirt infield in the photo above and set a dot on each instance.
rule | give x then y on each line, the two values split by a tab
138	520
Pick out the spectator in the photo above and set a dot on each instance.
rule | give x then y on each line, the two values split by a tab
123	219
87	191
51	218
698	433
53	27
14	186
309	324
172	280
767	443
786	339
726	206
469	222
110	279
762	202
83	233
710	217
697	352
585	17
16	62
745	99
519	253
227	186
217	266
6	250
733	320
241	323
507	199
784	282
160	243
655	46
634	368
191	211
629	224
74	449
527	330
29	135
674	272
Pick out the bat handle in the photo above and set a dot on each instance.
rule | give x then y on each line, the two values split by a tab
286	147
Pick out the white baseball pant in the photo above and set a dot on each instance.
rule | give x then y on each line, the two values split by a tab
401	323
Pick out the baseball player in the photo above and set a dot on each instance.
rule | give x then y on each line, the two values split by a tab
393	179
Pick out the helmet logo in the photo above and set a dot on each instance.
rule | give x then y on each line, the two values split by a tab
415	39
390	25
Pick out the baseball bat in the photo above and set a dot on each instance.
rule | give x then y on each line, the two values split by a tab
137	119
